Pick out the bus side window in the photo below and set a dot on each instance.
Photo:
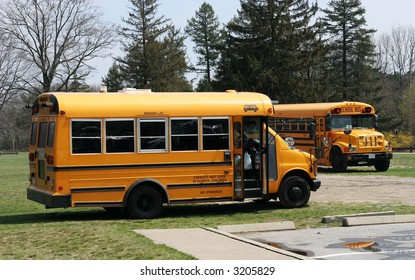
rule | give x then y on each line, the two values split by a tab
184	134
152	135
215	134
119	136
237	135
86	137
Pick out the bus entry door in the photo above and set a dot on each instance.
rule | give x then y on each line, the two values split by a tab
250	157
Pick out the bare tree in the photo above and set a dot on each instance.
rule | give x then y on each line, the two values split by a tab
12	70
397	53
58	37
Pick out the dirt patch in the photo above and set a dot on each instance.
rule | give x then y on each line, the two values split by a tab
368	188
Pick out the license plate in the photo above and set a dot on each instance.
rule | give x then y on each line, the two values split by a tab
372	156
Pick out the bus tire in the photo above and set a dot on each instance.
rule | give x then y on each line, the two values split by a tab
382	165
144	203
338	162
294	192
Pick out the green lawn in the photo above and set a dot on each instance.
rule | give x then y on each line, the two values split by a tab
28	231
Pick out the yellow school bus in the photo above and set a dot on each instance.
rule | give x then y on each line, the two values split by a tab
342	133
136	150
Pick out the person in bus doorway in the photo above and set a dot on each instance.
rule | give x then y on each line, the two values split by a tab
251	159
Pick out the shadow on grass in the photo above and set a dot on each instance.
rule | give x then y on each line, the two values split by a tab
179	211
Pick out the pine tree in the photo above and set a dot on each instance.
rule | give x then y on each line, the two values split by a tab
113	80
270	46
154	50
203	28
350	49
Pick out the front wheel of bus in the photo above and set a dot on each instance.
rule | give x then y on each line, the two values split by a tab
338	162
382	166
294	192
145	203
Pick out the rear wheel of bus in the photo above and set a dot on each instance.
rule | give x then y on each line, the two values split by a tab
144	203
294	192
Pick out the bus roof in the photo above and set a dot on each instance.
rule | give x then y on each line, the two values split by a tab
157	104
309	110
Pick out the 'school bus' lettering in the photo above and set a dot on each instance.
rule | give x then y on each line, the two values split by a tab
140	150
341	134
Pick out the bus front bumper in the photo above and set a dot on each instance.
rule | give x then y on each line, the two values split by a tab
48	199
315	185
369	158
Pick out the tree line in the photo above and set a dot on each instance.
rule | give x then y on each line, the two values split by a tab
292	50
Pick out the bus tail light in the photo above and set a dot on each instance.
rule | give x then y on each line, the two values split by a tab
31	156
49	159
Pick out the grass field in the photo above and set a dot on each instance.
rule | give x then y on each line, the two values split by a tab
28	231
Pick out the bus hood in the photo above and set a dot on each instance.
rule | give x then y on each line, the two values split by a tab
366	138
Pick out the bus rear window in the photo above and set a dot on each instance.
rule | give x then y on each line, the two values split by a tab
33	134
51	134
86	137
43	134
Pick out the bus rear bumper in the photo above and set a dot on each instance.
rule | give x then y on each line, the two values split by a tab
48	199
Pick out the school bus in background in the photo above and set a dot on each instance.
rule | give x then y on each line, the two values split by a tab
137	150
341	133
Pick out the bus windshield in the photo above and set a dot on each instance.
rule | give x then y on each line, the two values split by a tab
358	121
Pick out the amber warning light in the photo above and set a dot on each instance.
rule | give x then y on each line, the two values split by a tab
336	111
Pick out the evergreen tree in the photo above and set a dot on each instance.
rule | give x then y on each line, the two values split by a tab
113	80
350	49
154	50
203	28
269	47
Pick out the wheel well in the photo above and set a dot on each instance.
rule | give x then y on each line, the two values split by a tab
147	183
299	173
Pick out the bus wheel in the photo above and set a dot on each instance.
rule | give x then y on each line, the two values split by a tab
383	165
338	162
144	203
294	192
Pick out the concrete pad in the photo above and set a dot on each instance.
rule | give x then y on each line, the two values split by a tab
211	244
359	221
275	226
339	218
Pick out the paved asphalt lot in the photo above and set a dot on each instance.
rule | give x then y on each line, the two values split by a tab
373	242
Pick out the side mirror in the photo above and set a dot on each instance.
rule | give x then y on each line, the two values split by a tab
312	131
348	129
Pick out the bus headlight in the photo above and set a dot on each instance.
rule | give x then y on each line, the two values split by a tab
352	149
290	141
326	142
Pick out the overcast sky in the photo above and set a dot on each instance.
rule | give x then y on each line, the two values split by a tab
381	15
